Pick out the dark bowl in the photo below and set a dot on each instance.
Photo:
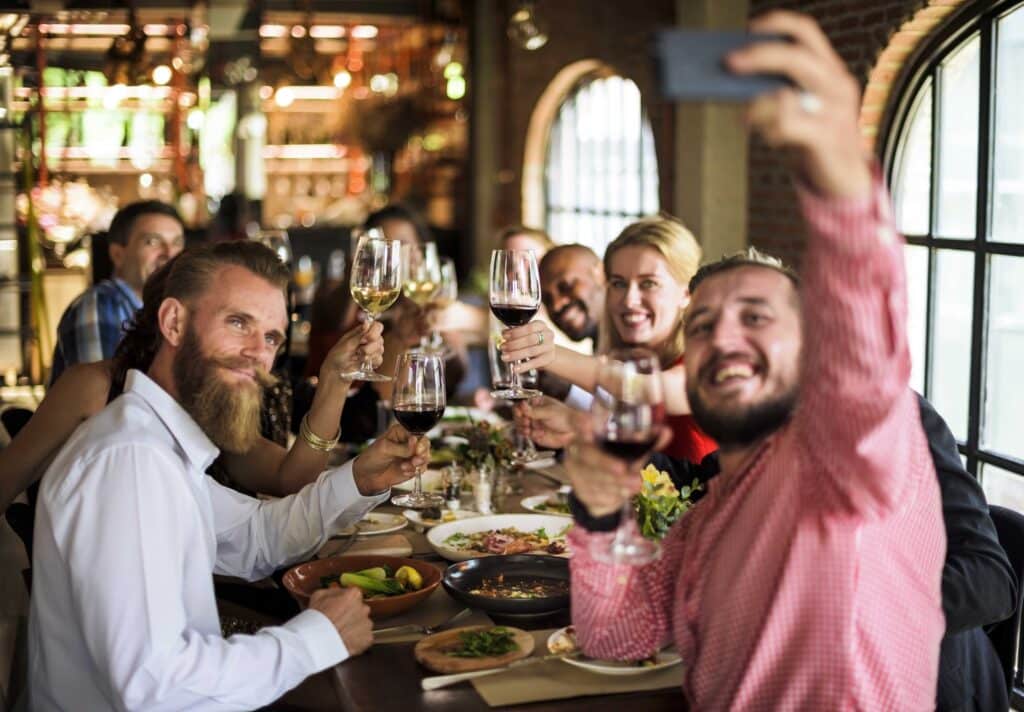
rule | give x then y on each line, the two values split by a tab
462	577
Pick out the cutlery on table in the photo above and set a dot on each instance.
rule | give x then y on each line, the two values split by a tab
424	629
439	681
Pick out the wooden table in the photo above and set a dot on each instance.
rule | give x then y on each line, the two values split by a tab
387	677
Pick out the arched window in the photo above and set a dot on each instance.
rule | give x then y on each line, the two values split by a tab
955	159
600	171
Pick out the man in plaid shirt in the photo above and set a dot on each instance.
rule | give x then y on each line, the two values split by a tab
809	577
142	236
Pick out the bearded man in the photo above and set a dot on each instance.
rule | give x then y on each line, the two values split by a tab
808	578
129	529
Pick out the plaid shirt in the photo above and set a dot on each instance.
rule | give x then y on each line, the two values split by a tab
93	325
810	579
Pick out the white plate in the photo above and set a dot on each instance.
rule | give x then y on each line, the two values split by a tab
665	658
431	482
534	504
523	522
544	460
414	517
376	523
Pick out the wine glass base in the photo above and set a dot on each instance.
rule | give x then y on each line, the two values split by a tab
414	500
526	458
638	552
365	376
515	394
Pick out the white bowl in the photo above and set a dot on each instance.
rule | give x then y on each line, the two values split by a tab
555	527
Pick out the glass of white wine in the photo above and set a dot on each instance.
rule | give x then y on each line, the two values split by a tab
375	284
447	294
421	276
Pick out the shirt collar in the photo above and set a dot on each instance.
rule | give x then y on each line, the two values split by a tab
194	443
127	291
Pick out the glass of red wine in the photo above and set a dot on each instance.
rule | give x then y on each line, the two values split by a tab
515	299
418	401
628	412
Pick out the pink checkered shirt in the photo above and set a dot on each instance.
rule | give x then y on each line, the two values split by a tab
811	579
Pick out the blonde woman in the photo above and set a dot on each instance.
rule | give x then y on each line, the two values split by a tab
647	269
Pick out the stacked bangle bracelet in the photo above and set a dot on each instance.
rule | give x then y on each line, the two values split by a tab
313	440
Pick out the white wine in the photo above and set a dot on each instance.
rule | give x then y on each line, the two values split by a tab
420	292
375	300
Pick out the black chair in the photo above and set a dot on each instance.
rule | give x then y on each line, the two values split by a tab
20	515
1005	635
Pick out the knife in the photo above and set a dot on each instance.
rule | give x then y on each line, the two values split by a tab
439	681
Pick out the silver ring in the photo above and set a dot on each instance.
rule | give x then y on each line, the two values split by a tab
540	338
810	103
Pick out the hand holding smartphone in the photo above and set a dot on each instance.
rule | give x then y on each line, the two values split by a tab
691	66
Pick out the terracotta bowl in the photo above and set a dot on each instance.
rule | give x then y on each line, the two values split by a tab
302	580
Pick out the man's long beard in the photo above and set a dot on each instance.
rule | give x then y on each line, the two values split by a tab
735	429
229	414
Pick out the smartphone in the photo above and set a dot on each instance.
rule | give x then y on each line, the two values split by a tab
691	66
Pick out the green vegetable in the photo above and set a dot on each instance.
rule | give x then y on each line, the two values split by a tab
485	643
389	587
456	538
377	572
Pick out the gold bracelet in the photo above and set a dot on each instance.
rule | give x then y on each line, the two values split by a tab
315	441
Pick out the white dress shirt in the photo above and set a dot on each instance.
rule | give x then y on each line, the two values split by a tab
128	531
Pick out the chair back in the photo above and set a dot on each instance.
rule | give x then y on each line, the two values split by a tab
1005	635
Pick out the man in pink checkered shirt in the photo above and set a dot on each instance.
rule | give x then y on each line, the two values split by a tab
808	578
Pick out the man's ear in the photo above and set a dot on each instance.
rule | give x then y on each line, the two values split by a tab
116	252
173	320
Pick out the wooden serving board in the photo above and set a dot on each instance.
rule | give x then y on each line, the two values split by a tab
431	652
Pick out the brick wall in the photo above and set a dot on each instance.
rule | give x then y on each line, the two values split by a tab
616	33
874	37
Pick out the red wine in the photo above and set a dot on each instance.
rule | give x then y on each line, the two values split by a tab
627	450
418	419
513	314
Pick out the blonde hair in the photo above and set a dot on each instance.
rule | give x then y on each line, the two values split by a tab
505	234
682	255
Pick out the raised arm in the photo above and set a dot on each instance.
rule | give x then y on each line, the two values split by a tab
79	392
856	414
270	468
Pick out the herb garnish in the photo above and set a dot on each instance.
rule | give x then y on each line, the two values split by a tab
485	643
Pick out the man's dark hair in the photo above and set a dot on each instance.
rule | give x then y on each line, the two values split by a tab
400	211
750	257
572	248
121	225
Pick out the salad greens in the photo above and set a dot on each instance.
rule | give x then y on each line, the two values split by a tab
485	643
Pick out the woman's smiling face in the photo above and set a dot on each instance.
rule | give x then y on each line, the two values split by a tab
644	301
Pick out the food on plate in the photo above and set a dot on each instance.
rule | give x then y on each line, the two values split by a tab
378	581
552	505
435	515
502	586
564	643
490	642
509	541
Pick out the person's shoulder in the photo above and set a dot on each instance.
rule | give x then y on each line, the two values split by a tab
88	382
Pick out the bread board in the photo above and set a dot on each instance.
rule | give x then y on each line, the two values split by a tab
432	651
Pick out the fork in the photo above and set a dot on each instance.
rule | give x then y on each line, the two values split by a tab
424	629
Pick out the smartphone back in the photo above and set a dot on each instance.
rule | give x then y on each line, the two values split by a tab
691	66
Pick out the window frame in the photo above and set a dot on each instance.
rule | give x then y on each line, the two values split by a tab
551	207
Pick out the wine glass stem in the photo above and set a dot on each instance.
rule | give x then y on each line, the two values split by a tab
627	529
513	377
417	484
367	367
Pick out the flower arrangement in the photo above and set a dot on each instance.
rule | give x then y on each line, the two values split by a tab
659	504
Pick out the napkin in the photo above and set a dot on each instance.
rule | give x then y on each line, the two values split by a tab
382	545
558	680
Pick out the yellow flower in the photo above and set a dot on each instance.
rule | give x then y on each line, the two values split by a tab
652	474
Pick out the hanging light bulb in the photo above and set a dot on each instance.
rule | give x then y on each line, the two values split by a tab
525	29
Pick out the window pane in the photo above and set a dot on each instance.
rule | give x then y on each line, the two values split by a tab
1003	487
1004	388
951	337
1008	177
912	176
958	142
916	258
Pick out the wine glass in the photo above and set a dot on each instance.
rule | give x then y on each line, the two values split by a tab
276	240
515	299
421	276
375	285
523	449
628	413
447	294
418	399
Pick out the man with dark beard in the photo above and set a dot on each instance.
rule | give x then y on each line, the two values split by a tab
572	286
129	529
809	577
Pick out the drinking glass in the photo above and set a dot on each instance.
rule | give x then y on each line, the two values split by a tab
375	285
628	412
421	276
418	398
447	294
276	240
514	299
523	449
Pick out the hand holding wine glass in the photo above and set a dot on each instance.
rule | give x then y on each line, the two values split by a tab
514	299
375	285
418	400
628	412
